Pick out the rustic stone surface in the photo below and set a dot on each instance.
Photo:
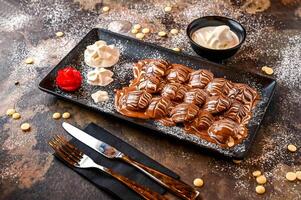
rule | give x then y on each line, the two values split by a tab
27	29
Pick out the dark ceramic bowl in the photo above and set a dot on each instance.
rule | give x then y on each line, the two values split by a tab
216	54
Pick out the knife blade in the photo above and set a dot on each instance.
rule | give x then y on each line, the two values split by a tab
176	186
99	146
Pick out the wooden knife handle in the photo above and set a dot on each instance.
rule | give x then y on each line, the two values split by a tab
139	189
176	186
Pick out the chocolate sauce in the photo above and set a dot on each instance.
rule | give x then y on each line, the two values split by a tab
214	109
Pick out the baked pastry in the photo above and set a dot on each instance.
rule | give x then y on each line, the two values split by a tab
178	73
214	109
150	84
151	67
227	132
238	112
184	112
174	91
202	122
216	104
196	96
246	95
158	107
200	78
137	100
219	86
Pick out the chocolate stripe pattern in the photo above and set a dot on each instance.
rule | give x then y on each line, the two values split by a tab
213	109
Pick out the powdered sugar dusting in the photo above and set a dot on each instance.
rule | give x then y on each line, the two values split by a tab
269	152
12	21
123	74
288	70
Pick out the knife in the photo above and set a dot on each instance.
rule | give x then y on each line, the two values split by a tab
175	186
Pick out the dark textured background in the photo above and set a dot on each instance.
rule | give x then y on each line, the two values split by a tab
27	29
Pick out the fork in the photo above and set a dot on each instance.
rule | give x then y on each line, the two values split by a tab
76	158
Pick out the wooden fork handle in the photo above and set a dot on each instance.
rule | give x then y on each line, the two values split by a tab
141	190
176	186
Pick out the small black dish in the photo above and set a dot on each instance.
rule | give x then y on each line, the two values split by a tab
216	54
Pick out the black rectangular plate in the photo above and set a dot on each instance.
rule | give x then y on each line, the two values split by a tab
133	50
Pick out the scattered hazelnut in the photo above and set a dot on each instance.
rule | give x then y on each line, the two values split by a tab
291	176
29	61
256	173
261	179
174	31
105	8
134	31
167	8
16	116
66	115
137	26
162	33
267	70
25	127
198	182
145	30
260	189
59	34
10	111
292	148
140	35
176	49
56	115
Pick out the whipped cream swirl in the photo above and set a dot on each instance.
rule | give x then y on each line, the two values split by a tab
100	77
101	55
100	96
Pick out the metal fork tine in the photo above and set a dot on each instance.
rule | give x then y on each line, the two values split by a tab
66	151
62	152
73	156
72	147
69	148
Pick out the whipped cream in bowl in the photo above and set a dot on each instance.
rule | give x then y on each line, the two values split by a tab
100	54
215	38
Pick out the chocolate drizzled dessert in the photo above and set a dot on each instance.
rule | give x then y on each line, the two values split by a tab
214	109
